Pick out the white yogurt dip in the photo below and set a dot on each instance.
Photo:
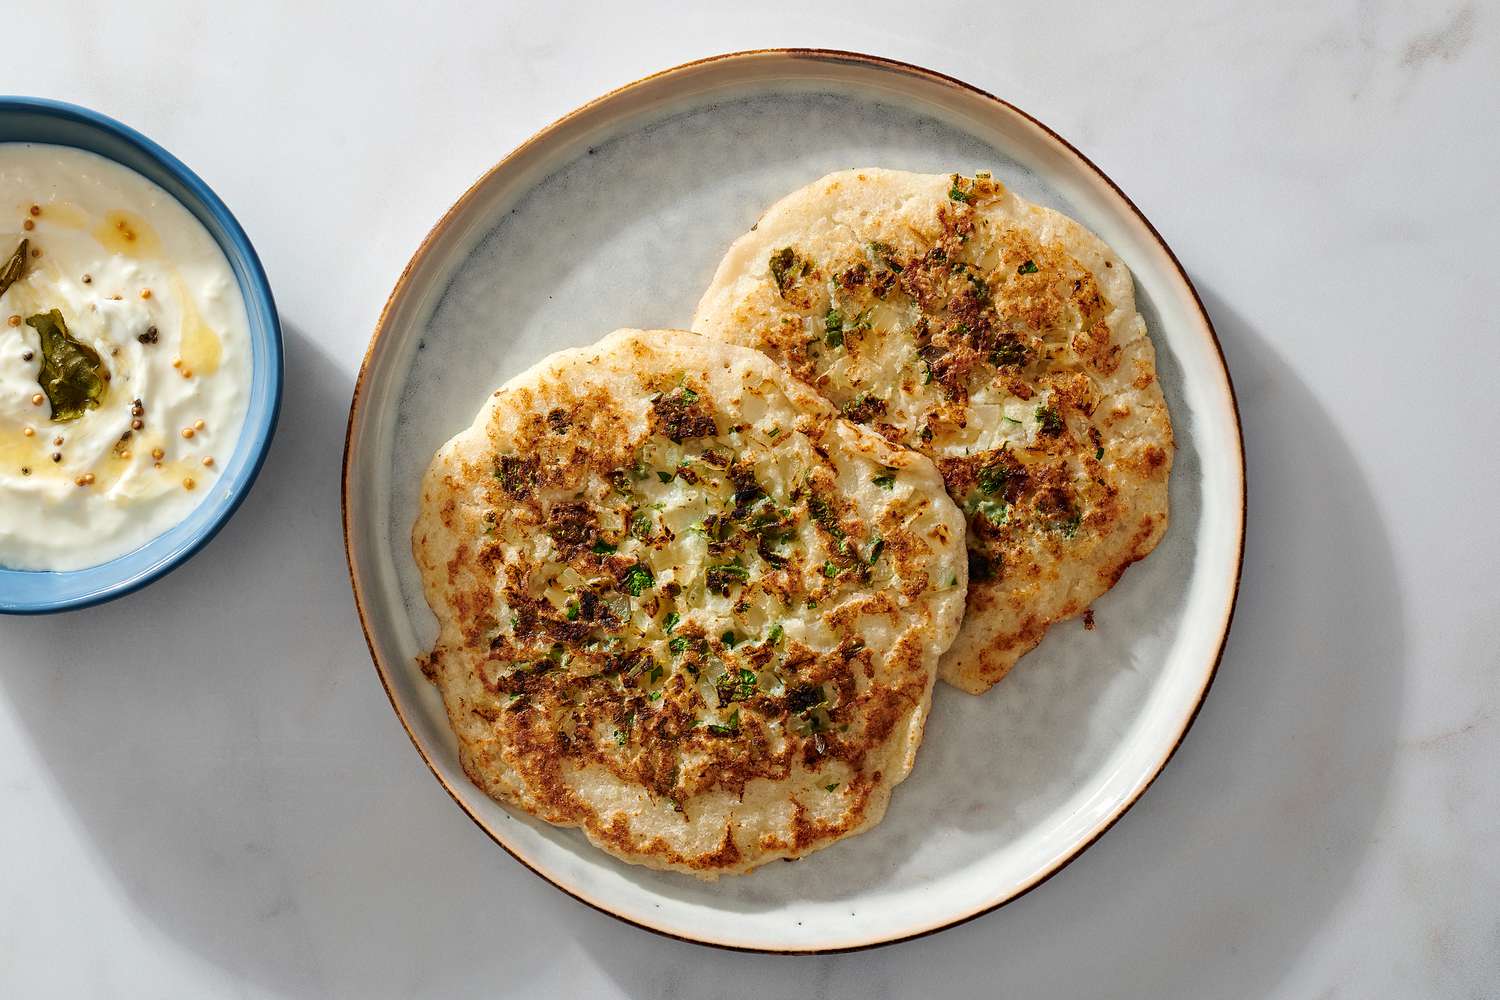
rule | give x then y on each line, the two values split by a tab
140	281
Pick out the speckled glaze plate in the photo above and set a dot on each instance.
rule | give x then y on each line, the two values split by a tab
617	216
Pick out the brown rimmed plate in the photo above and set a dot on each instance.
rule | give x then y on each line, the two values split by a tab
617	216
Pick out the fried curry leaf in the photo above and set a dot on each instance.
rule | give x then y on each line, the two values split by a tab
721	577
781	267
72	373
14	268
885	254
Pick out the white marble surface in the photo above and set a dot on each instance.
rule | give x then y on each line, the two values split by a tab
204	793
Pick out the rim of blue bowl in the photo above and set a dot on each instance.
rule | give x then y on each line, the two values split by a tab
47	591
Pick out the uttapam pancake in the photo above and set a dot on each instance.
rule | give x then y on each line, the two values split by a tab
996	336
683	605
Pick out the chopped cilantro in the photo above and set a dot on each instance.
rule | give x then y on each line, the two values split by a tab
875	550
677	645
728	639
829	788
774	636
602	548
830	570
956	194
992	511
671	621
1049	419
729	727
1098	454
665	477
1027	268
994	478
654	675
885	481
571	612
640	525
637	579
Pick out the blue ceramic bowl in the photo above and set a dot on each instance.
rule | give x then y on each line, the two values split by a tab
31	119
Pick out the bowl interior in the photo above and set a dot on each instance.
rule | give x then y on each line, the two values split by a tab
617	216
41	121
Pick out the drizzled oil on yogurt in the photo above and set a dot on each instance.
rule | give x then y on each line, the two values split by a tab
124	359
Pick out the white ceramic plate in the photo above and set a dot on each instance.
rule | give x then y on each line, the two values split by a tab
617	216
